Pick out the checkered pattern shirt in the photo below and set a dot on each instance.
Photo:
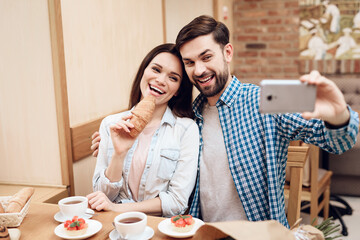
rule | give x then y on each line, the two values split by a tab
256	146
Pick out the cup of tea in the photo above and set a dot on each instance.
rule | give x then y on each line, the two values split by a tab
130	224
73	206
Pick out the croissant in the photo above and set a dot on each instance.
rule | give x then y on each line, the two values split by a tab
18	201
142	114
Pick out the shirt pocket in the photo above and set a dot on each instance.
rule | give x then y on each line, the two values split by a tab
168	162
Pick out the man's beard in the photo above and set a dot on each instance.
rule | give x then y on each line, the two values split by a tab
220	82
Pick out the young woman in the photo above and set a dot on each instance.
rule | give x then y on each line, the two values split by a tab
154	173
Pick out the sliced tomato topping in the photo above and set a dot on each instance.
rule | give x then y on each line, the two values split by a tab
189	221
180	223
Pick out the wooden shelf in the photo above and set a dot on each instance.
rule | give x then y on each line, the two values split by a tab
44	194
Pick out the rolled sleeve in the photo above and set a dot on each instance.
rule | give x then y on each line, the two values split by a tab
111	189
345	137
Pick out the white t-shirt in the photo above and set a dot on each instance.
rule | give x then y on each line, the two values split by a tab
219	199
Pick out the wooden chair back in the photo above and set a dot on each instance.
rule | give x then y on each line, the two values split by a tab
317	193
297	156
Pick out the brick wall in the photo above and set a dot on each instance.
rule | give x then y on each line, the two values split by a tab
266	42
266	39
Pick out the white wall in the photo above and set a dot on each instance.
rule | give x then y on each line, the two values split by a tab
29	144
179	13
104	43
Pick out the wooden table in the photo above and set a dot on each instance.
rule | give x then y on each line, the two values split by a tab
39	223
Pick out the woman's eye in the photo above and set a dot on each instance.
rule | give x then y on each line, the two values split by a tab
174	78
156	69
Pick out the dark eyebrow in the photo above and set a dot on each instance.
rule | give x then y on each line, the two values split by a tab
204	52
170	72
200	55
158	65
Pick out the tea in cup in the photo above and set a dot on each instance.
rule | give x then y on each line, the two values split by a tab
73	206
130	224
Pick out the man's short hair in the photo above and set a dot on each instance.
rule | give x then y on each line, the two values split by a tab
200	26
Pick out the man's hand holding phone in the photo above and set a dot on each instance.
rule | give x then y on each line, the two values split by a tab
330	104
313	95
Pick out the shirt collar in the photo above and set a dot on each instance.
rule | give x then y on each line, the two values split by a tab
228	97
168	117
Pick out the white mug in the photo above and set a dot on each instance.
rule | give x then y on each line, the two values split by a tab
130	224
73	206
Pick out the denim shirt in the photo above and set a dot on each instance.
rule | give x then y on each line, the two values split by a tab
256	146
170	169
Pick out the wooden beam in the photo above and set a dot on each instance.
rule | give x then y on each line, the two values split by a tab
61	98
81	138
163	6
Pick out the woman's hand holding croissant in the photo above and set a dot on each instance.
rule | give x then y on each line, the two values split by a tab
120	137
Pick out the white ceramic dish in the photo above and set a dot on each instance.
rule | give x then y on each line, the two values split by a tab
148	233
61	218
166	228
93	227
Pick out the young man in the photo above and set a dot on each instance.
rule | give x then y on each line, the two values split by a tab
243	153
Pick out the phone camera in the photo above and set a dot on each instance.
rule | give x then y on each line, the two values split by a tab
269	98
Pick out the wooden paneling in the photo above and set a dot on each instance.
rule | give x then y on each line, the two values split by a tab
29	143
60	86
223	12
48	194
104	44
84	170
81	138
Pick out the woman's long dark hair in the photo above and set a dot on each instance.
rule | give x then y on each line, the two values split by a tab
180	104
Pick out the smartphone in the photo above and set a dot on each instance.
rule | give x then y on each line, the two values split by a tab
286	96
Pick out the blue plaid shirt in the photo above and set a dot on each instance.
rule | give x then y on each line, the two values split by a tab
256	146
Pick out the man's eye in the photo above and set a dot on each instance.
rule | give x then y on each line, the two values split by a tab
188	63
207	57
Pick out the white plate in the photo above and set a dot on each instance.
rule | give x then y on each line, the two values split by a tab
61	218
93	227
148	233
166	228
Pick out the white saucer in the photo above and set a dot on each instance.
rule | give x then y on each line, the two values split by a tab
166	228
61	218
147	234
93	228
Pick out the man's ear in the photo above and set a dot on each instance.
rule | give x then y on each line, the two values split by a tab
228	52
